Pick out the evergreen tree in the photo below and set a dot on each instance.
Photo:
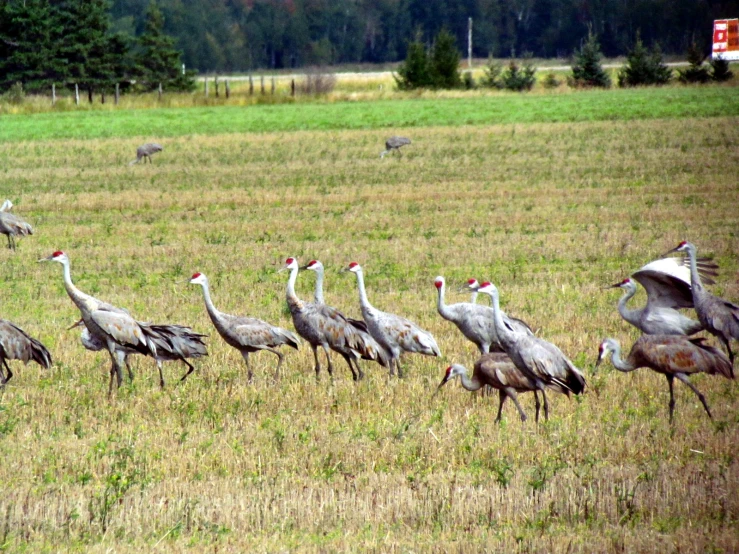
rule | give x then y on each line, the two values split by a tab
445	61
158	59
519	78
643	67
696	72
720	70
415	71
586	69
27	51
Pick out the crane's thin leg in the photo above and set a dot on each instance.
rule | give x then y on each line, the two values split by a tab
328	359
684	379
161	375
392	367
514	397
248	365
349	362
280	357
2	373
670	378
400	370
728	349
10	373
538	405
546	404
128	367
113	367
502	397
191	368
318	362
360	373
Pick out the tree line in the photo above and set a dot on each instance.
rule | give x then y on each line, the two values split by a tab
72	43
244	35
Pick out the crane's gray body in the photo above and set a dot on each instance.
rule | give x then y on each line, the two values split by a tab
16	344
146	151
13	226
394	143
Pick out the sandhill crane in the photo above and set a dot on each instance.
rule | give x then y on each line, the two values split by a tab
246	334
324	326
394	143
16	344
181	343
538	359
112	325
394	333
718	316
371	351
495	370
475	322
671	355
471	285
146	151
13	226
667	283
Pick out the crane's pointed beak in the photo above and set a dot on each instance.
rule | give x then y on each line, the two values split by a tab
598	362
671	251
78	323
616	286
281	270
46	259
444	381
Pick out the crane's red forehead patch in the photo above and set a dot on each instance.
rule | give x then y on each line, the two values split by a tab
471	281
196	275
353	264
438	283
57	253
289	261
626	281
448	371
312	262
683	243
486	284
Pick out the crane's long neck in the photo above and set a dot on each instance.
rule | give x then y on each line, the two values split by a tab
504	334
470	384
214	314
363	301
293	302
444	310
83	301
318	293
632	316
618	363
695	278
473	297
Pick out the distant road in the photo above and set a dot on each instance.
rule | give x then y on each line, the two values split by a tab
380	75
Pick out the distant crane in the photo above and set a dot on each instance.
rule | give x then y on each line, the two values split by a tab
396	334
539	360
673	356
720	317
146	151
16	344
109	324
394	143
181	343
12	225
496	370
246	334
477	323
667	282
373	350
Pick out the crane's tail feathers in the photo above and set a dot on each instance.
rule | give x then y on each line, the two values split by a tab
134	161
721	363
40	354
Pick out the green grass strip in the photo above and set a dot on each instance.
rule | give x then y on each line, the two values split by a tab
609	105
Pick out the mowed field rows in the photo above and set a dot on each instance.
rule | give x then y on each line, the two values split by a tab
551	213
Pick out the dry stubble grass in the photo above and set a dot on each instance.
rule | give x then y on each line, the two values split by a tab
551	213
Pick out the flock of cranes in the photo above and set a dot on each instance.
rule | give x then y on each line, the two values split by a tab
513	359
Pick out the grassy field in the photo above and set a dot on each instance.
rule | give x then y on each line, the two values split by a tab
550	211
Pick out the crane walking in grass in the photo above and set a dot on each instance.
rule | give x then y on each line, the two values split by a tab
395	334
394	143
12	225
496	370
146	151
246	334
672	356
112	326
16	344
539	360
719	317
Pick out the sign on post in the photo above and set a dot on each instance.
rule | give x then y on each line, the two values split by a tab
726	39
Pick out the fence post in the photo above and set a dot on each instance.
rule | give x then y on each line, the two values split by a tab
251	85
228	90
273	86
217	95
160	91
262	80
206	87
102	97
292	87
89	95
76	94
117	93
53	93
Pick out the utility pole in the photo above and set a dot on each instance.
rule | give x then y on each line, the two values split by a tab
469	42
